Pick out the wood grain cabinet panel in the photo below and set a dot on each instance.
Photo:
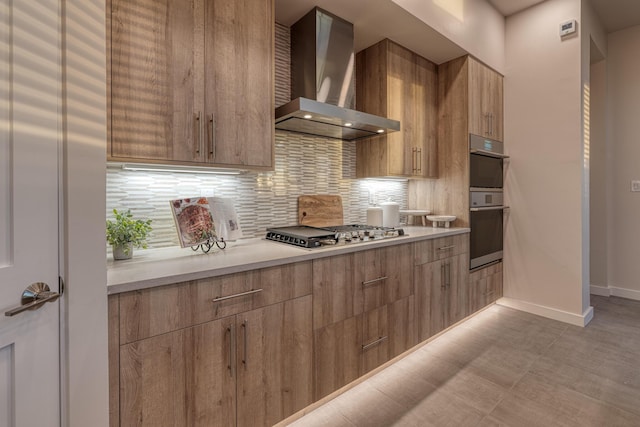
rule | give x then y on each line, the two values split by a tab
363	313
274	359
176	358
337	355
441	279
485	101
180	378
397	83
485	287
159	310
435	249
192	82
153	80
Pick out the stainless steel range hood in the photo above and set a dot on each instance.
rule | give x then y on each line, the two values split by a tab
323	82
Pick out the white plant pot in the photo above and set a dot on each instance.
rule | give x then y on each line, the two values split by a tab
121	252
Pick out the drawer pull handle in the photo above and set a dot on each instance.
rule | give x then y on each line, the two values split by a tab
372	281
372	344
241	294
444	248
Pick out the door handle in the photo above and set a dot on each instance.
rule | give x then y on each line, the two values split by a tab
33	298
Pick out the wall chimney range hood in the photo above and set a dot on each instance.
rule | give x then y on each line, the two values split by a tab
323	83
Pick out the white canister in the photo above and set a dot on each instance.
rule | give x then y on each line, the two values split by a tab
374	216
390	214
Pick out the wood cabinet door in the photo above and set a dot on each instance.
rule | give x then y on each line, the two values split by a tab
456	270
275	362
153	80
430	298
485	101
337	355
485	287
186	377
375	339
425	95
495	101
478	119
239	82
401	77
402	326
336	296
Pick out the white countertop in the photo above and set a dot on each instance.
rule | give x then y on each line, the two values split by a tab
157	267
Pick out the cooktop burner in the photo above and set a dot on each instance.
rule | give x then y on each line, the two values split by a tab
315	237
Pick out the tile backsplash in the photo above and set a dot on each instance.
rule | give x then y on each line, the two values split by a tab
303	165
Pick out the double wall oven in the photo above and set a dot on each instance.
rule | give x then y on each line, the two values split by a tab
486	200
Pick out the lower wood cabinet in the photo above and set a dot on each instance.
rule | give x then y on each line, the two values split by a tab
253	368
364	311
441	292
485	287
250	349
350	348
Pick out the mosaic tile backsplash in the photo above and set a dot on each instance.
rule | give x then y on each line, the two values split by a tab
303	165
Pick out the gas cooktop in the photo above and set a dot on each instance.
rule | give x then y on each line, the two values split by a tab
315	237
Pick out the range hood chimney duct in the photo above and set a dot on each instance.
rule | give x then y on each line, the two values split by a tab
323	82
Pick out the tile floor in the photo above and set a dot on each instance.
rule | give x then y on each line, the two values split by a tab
504	367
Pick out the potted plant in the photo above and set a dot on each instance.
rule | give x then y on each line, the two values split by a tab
125	232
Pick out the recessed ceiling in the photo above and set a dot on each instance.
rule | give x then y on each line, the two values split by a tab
617	15
509	7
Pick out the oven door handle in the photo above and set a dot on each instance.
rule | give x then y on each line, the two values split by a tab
490	208
488	153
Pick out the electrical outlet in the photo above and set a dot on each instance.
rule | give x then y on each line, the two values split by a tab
208	192
635	186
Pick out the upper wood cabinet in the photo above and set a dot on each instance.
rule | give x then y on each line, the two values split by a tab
396	83
192	82
485	101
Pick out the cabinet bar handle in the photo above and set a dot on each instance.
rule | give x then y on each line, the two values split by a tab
199	124
372	281
444	248
448	276
443	278
212	137
244	343
230	365
419	160
241	294
374	343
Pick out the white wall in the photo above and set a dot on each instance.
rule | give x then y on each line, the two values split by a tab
623	88
544	180
599	175
473	25
85	369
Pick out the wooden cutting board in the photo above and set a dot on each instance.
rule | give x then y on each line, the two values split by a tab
320	210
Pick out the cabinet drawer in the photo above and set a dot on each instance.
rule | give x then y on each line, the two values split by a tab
155	311
440	248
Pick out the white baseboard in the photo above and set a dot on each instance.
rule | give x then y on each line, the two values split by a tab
612	291
548	312
603	291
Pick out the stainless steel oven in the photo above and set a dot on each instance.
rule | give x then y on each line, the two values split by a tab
486	200
486	221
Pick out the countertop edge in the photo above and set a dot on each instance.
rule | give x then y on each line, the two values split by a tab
127	276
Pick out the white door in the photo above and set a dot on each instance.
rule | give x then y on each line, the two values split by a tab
29	150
